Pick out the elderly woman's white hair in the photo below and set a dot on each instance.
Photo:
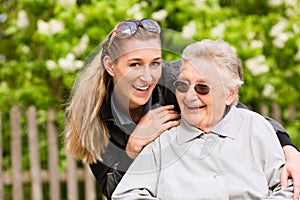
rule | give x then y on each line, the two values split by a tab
223	55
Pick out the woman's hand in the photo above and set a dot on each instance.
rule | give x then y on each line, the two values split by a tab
151	125
291	169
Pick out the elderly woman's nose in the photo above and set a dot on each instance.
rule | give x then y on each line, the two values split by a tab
191	93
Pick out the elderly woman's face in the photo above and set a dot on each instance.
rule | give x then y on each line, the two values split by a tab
202	111
136	72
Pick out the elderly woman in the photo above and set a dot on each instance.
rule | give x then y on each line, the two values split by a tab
218	151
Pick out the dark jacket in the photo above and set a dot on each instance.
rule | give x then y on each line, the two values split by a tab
115	161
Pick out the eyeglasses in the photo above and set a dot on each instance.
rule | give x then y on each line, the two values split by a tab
183	87
130	27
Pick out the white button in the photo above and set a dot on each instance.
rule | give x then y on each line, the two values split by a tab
217	176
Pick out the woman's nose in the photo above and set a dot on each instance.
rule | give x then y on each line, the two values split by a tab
191	93
146	74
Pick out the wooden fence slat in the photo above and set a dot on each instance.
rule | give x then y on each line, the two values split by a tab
72	184
53	157
16	145
276	112
45	176
1	159
264	110
90	187
34	154
292	112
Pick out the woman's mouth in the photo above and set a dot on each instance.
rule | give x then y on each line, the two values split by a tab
140	88
195	108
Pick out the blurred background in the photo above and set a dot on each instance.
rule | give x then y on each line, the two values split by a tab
44	43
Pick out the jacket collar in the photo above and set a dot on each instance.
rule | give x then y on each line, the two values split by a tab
187	132
229	125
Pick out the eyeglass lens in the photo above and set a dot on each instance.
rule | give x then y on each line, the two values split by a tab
199	88
127	28
150	25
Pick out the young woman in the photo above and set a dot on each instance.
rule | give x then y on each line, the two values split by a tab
122	101
117	107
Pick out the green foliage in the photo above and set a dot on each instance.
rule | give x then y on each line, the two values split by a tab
44	44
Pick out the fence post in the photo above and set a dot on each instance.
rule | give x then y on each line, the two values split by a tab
34	154
292	112
264	110
16	146
276	112
53	157
1	159
89	183
72	184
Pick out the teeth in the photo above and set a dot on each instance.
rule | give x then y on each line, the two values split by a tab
193	107
141	88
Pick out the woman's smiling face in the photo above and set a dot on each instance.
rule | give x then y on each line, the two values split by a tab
136	73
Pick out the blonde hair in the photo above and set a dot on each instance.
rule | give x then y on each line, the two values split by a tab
223	55
86	134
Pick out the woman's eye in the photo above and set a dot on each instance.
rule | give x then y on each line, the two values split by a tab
134	65
156	64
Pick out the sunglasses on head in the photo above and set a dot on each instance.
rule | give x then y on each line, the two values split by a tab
130	27
183	87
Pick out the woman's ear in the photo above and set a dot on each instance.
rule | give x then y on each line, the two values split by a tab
108	64
231	96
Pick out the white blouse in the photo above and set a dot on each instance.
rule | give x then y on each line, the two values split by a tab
239	159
